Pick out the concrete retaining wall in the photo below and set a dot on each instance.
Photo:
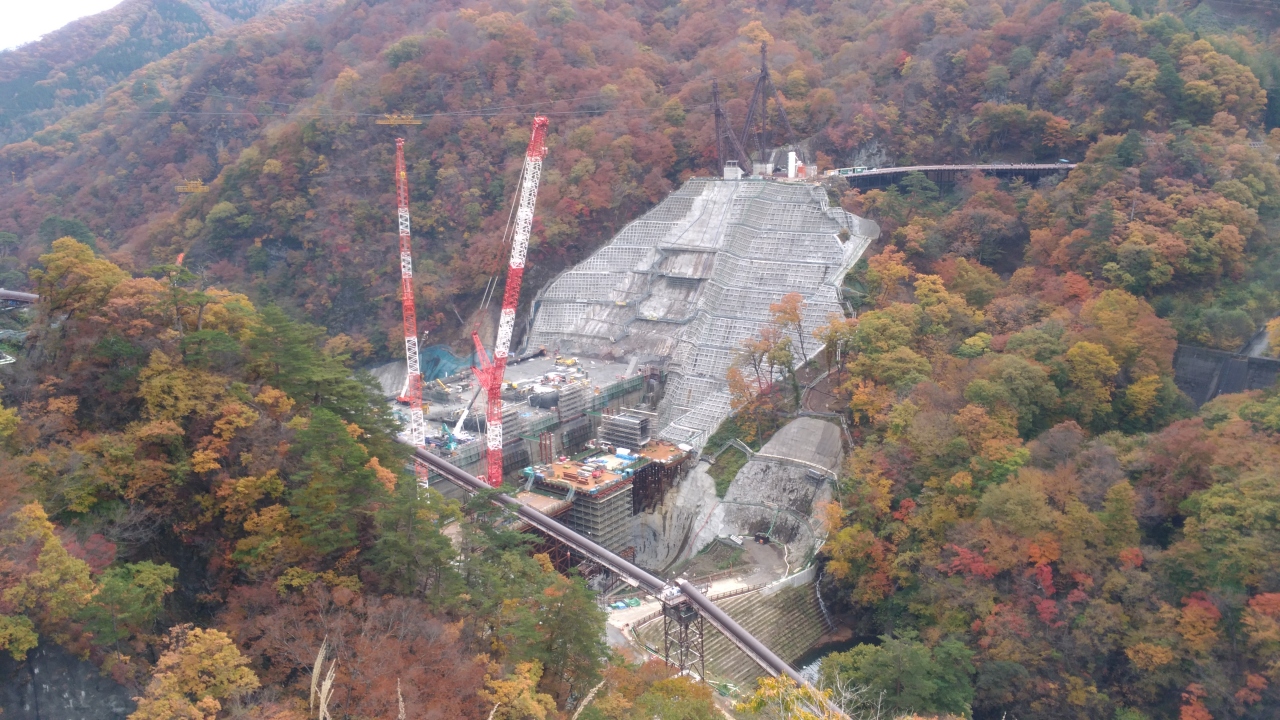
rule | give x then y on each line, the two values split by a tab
1204	374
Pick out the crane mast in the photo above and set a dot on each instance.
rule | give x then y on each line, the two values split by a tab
413	378
493	374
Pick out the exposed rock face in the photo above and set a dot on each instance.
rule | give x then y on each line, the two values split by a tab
391	377
779	489
780	485
662	536
872	154
53	684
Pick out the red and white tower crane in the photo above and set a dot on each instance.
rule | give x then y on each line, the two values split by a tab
413	379
491	375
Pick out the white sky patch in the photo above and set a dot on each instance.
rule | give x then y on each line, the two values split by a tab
24	21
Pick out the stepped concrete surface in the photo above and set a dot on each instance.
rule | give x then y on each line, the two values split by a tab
789	622
688	282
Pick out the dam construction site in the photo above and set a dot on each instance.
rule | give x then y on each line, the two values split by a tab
610	400
583	360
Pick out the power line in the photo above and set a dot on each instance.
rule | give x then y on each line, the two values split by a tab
492	109
484	112
222	96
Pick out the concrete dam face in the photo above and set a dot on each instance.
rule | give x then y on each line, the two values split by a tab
689	281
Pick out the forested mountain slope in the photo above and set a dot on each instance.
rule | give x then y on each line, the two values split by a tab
1033	516
278	116
42	81
170	458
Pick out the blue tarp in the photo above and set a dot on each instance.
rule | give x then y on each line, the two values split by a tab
438	361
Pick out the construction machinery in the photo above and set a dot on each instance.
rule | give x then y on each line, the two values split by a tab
398	119
758	107
726	141
413	378
191	187
491	374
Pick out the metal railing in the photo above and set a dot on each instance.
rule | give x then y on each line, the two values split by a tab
747	590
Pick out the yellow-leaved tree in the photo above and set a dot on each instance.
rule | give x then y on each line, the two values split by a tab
783	699
53	593
73	279
201	670
516	697
172	391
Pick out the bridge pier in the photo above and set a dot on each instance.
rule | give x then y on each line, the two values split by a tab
682	632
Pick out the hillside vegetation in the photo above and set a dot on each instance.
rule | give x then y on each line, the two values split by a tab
277	114
1034	520
42	82
195	483
175	457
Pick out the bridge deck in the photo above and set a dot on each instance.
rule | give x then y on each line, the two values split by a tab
882	177
634	574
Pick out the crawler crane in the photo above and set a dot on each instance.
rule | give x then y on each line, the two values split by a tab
413	378
491	375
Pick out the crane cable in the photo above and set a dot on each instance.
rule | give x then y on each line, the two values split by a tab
492	284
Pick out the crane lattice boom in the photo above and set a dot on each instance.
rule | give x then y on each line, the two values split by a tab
493	375
413	379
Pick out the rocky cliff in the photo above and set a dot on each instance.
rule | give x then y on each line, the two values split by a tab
53	684
776	492
662	537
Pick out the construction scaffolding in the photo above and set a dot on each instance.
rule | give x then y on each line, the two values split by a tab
575	433
513	420
625	430
573	401
604	518
651	484
535	413
687	283
600	491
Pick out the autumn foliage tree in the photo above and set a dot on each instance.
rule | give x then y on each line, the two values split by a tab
201	670
1026	480
238	443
